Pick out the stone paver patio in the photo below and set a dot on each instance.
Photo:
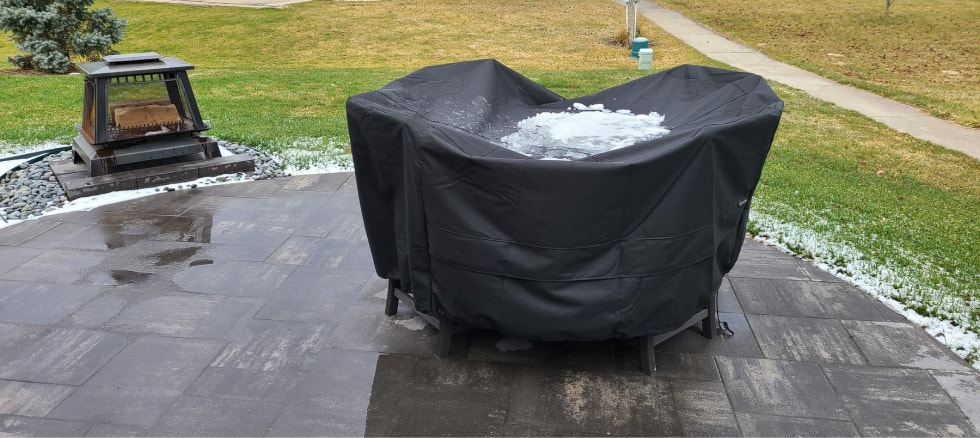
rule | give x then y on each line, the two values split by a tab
253	309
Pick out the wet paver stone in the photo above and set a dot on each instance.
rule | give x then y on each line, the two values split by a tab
253	309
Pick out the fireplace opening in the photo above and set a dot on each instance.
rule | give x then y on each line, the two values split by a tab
140	106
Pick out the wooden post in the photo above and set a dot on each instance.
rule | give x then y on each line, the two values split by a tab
630	21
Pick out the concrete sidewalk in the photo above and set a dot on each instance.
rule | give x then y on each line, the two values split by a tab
898	116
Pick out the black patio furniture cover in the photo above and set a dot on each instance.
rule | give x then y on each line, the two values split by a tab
625	243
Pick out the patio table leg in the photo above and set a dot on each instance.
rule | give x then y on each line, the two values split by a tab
445	337
648	363
391	303
709	325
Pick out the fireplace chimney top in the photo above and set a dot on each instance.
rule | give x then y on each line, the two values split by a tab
131	58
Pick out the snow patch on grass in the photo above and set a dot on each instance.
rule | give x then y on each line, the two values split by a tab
313	155
947	318
10	150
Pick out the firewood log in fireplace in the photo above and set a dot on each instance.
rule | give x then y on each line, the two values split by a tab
146	115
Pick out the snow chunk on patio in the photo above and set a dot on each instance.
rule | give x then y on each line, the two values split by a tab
592	130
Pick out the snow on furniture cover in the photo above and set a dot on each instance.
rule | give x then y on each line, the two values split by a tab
626	243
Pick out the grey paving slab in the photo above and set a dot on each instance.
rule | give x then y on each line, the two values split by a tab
232	277
115	430
14	336
157	362
768	264
750	245
391	372
273	346
344	202
63	356
13	236
188	229
413	393
817	274
743	343
119	230
333	398
199	316
485	376
703	408
61	266
803	298
41	303
248	232
778	426
202	416
324	182
162	204
964	389
901	344
96	312
121	405
311	251
670	365
727	300
290	200
30	399
228	318
243	384
349	186
68	235
805	339
246	190
167	315
897	402
316	295
171	254
602	403
239	252
474	413
315	220
374	292
348	226
765	386
16	256
368	329
214	206
31	426
888	313
358	258
117	277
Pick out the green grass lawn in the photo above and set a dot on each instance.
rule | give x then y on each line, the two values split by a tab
923	53
884	208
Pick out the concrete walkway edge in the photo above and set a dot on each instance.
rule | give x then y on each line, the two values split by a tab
898	116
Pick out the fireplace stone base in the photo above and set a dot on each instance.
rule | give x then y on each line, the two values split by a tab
74	178
102	160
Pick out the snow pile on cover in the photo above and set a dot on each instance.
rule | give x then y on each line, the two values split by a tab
582	131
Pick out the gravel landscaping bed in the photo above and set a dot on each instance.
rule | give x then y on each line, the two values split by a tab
31	189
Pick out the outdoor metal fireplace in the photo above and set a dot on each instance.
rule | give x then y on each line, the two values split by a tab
138	108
